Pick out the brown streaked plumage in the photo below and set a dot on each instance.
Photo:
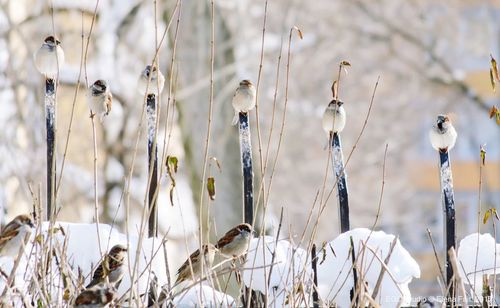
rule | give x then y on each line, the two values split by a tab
13	235
194	263
99	295
235	242
111	269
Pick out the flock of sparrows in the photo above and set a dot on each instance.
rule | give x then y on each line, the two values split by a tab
442	134
49	59
109	273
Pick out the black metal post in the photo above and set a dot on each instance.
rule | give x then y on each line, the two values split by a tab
338	168
449	213
151	114
354	273
50	124
314	263
246	163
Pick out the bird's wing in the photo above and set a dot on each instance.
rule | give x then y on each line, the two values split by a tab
227	238
99	275
85	298
7	235
109	102
193	257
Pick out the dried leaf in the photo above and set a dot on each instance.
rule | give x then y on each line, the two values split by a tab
494	110
488	213
345	63
172	165
301	36
483	154
494	67
211	188
219	166
334	88
66	295
39	239
492	80
323	250
486	216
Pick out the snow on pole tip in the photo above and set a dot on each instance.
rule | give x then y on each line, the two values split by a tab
335	269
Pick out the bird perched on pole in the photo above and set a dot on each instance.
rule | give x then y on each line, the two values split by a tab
112	268
442	134
334	117
243	99
13	235
100	99
49	58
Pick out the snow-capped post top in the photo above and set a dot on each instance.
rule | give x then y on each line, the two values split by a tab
49	58
151	81
243	99
442	134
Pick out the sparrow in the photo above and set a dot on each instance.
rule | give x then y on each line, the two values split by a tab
156	77
243	99
14	234
191	268
49	58
443	135
112	268
334	117
235	242
99	99
98	296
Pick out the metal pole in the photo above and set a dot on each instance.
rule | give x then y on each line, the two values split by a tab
50	123
152	165
340	175
314	263
246	163
449	213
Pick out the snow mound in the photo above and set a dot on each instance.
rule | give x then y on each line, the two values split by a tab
289	266
335	278
208	296
487	249
83	254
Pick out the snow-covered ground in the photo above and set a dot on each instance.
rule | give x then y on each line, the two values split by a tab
478	255
335	279
291	264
